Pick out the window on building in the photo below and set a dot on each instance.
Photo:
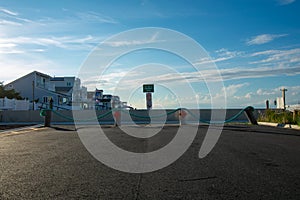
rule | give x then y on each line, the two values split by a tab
69	84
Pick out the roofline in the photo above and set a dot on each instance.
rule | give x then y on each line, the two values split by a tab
40	73
64	77
34	72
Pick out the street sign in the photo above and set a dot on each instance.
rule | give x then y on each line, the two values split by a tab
148	88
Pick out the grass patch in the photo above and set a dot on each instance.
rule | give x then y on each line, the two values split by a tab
279	116
297	121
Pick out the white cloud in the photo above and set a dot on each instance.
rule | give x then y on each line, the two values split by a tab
9	15
130	42
231	90
7	22
264	38
15	66
285	2
256	99
267	52
226	52
194	77
248	95
9	12
278	57
264	92
91	17
66	42
223	55
259	72
7	45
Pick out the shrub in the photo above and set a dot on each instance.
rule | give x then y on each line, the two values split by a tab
279	116
298	120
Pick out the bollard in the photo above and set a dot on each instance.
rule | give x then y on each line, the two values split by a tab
181	116
249	113
48	114
47	120
117	118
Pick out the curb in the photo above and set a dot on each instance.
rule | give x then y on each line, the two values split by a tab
21	128
290	126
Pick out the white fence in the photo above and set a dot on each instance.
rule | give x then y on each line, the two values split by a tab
13	104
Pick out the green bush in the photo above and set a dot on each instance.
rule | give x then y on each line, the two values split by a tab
279	116
298	121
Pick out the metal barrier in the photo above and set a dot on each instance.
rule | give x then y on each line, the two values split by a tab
181	114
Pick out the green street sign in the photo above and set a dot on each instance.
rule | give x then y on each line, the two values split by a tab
148	88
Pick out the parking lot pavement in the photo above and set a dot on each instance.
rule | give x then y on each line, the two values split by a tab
248	162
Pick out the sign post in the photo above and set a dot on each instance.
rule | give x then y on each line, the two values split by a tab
148	89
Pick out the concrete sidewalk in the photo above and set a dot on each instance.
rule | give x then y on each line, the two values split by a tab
291	126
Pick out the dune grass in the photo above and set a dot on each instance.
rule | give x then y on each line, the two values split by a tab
279	116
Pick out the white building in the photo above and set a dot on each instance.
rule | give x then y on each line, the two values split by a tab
40	88
280	104
99	101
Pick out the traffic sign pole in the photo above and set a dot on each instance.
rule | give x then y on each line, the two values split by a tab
148	89
149	100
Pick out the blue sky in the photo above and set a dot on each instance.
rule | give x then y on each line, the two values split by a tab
255	45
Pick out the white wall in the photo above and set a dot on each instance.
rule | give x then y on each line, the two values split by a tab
279	101
13	104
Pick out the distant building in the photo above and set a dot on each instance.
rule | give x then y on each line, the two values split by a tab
279	103
294	107
63	85
79	95
99	101
40	88
66	93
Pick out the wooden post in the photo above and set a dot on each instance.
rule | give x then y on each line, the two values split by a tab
48	115
267	104
295	114
47	121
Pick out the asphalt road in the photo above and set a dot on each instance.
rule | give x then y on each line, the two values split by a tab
248	162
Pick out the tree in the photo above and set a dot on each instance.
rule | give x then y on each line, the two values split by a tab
11	94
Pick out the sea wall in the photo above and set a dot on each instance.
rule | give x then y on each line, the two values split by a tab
136	116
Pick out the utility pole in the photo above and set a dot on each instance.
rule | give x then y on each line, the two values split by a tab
283	96
32	95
